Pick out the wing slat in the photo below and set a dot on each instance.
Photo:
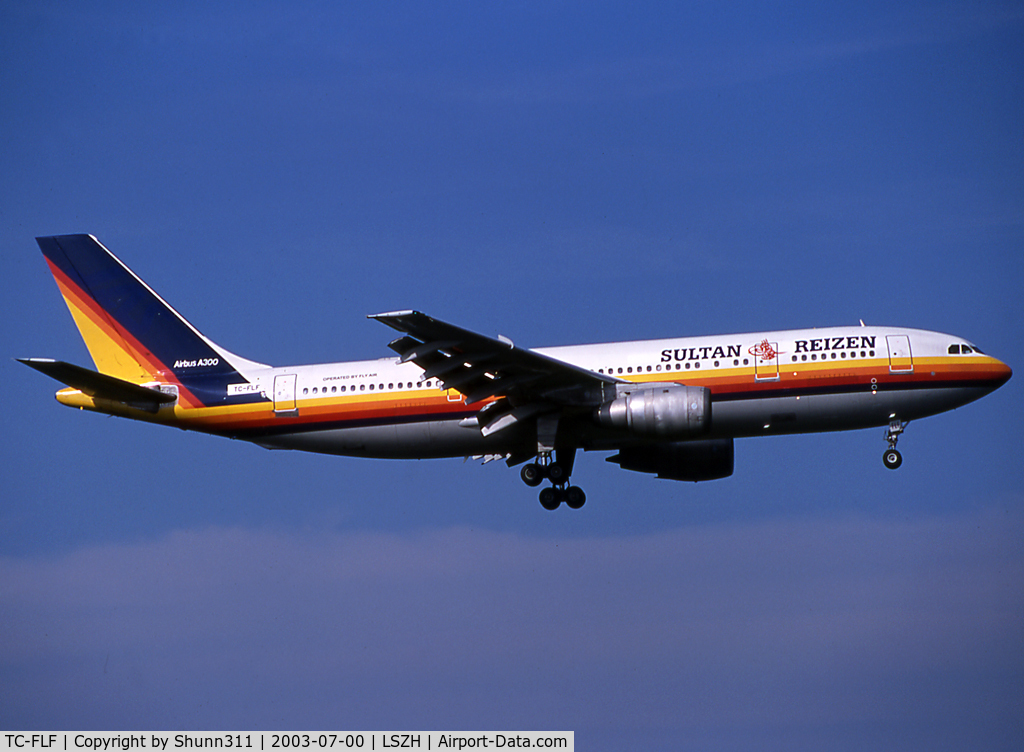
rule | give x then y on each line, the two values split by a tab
481	367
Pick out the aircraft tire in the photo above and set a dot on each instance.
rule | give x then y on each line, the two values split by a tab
892	459
550	499
556	473
532	474
574	497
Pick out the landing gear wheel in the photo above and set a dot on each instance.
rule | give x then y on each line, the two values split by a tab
574	497
550	499
892	459
532	474
556	473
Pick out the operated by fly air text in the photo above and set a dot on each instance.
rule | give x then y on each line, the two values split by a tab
670	407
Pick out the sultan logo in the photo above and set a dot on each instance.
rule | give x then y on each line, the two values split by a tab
764	350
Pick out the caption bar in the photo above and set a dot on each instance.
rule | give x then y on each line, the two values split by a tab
96	741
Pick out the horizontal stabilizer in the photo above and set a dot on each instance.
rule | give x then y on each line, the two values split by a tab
98	385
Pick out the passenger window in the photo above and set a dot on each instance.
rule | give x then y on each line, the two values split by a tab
362	387
334	389
391	386
305	390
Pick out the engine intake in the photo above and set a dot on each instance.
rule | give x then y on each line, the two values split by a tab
659	410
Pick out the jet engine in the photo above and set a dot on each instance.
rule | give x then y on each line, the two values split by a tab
659	410
708	459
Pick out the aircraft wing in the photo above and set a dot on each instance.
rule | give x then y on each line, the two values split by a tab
482	367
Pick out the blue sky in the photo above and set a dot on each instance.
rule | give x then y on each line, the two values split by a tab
557	173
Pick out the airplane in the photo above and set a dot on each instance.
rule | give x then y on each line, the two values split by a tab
668	407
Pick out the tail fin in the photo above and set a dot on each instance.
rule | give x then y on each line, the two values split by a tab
131	333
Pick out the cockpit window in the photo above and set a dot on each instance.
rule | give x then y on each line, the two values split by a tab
965	349
977	350
954	349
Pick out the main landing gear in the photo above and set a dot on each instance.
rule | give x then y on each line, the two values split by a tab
534	473
892	459
556	471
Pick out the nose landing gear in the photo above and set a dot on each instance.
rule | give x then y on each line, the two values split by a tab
891	458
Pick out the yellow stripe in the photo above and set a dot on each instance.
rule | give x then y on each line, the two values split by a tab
108	353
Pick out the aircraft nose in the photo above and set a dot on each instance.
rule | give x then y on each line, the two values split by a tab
1002	373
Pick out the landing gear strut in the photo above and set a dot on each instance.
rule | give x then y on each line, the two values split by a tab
891	458
534	473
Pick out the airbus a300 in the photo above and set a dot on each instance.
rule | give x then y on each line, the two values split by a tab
670	407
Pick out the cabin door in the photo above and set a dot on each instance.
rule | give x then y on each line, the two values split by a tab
284	394
900	358
766	360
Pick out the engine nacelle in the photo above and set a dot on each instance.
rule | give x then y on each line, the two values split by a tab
659	410
707	459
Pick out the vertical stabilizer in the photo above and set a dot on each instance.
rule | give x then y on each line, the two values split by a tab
131	332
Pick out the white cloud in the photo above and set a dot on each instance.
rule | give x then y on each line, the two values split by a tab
789	624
